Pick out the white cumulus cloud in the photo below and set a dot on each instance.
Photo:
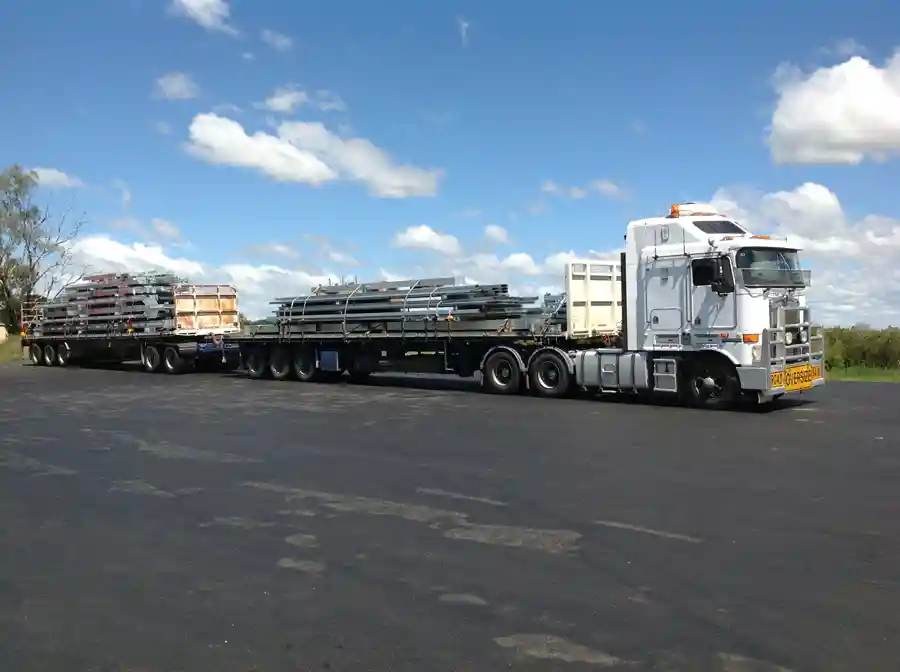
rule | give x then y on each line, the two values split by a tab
423	237
165	228
209	14
843	114
854	261
285	100
223	141
177	86
276	40
606	188
56	179
308	153
496	234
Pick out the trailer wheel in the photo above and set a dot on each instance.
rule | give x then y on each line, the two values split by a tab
501	374
36	354
63	354
305	365
281	364
713	383
549	376
151	359
49	355
173	361
256	362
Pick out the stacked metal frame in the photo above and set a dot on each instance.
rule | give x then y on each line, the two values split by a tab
416	306
138	304
555	308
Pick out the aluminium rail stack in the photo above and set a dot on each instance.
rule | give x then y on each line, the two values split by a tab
157	318
409	308
422	326
111	304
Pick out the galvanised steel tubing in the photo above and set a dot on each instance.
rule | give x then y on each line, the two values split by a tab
457	291
384	284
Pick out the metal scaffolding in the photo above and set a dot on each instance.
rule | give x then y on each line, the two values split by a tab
425	305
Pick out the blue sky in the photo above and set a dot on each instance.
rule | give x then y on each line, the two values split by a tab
654	103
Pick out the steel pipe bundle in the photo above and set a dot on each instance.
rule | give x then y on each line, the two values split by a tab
401	304
555	308
140	303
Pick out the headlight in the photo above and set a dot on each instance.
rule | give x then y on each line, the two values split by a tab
789	337
756	353
804	337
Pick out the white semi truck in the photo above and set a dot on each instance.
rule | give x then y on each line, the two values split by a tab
697	306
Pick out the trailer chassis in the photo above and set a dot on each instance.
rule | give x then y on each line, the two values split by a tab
172	353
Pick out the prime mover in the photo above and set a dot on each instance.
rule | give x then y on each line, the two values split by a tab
697	306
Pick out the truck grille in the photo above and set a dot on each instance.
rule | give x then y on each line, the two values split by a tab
790	323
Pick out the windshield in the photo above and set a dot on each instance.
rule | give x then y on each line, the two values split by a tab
770	267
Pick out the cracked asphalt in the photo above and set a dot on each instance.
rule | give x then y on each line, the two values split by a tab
210	522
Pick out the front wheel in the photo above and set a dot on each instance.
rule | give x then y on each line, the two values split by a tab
713	384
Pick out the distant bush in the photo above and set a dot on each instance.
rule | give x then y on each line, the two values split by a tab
861	346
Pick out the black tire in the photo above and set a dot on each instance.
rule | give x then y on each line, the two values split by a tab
151	359
305	365
49	355
256	362
549	375
281	364
725	391
63	354
501	374
36	354
173	362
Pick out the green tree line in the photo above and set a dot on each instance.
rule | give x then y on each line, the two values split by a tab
862	347
35	245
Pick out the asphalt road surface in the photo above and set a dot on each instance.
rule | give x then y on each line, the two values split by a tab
216	524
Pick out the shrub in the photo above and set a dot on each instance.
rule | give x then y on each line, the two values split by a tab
861	346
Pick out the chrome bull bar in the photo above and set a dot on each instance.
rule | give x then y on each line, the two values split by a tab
800	364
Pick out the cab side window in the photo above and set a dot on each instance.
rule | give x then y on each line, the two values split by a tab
703	271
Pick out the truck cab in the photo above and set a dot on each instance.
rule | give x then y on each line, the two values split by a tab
728	306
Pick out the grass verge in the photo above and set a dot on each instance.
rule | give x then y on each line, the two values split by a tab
864	374
11	350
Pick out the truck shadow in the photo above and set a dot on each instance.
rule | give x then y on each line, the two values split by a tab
438	383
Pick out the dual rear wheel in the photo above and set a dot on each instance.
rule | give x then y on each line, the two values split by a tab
283	363
547	375
156	358
49	354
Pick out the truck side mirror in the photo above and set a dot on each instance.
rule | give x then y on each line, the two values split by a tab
723	278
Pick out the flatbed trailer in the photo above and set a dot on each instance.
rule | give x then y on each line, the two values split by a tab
157	319
512	357
697	307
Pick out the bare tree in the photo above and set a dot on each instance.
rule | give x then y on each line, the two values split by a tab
35	246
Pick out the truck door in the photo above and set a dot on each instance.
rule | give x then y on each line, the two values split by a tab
709	311
664	292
